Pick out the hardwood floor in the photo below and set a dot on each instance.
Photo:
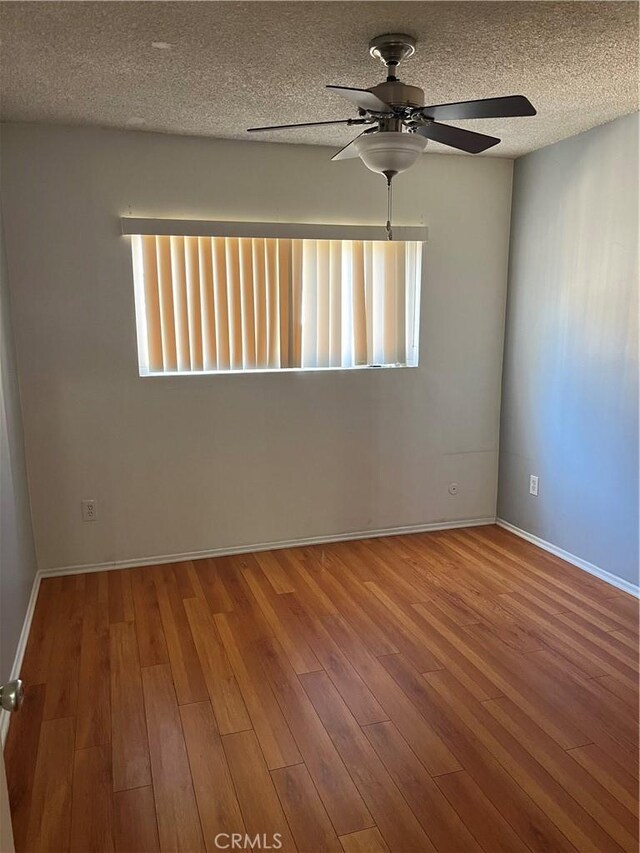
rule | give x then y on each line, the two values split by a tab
452	691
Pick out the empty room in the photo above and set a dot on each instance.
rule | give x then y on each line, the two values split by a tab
319	463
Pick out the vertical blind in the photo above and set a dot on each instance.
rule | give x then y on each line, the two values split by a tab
244	303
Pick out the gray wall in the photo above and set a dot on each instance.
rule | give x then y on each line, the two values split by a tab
570	378
17	554
188	464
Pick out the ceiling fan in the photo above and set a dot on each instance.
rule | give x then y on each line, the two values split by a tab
397	123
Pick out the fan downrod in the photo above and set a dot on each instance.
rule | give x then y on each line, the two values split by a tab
392	49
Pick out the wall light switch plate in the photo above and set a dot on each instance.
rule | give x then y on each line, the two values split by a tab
533	485
89	512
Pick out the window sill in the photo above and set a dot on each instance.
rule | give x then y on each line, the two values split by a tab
275	370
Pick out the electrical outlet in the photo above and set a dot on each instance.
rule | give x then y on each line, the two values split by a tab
89	512
533	485
453	489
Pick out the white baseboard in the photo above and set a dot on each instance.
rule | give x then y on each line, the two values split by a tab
265	546
5	716
199	555
607	577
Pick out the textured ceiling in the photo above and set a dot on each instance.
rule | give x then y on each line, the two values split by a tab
232	65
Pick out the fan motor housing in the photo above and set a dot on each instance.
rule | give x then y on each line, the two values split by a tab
399	94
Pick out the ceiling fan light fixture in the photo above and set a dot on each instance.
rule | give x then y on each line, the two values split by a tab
389	152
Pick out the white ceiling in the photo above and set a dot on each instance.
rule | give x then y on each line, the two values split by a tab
232	65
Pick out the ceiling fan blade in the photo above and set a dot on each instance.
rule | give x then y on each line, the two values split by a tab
508	107
308	124
349	149
362	98
456	137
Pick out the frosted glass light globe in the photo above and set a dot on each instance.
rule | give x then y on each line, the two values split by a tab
390	151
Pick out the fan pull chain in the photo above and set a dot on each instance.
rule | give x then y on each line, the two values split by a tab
389	208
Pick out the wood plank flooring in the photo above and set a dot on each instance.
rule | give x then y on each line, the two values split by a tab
451	691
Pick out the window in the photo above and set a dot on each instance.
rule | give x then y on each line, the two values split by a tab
218	304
